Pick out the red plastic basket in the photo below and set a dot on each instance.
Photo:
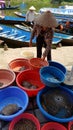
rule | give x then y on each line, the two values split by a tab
33	77
24	116
16	64
70	125
53	126
37	63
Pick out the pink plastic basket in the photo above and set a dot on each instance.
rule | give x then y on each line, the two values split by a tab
16	64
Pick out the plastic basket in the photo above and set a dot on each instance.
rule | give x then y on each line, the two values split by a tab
7	78
27	54
60	115
25	116
58	65
33	77
13	95
51	76
70	125
53	126
19	63
37	63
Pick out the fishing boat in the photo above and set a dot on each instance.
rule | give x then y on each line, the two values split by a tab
9	8
25	28
66	11
15	37
19	14
11	20
67	40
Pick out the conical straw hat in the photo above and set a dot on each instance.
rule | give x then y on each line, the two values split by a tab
32	8
46	19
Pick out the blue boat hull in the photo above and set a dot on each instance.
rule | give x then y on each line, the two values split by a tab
11	20
15	37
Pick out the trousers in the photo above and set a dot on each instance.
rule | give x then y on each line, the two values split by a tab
40	42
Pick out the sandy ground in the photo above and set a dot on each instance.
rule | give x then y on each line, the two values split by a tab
63	55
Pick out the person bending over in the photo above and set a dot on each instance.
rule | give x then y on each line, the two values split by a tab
43	30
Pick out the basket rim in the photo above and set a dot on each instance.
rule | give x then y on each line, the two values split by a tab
53	124
38	59
27	116
49	115
13	75
10	117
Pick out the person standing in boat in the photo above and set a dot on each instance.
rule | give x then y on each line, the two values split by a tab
43	30
67	27
9	3
60	28
30	15
2	4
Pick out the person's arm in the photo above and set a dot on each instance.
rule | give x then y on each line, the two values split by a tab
27	15
32	36
36	13
48	39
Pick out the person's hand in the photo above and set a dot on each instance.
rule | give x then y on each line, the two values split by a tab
30	44
43	58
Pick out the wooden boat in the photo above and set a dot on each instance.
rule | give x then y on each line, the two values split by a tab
63	36
25	28
66	11
15	37
67	40
19	14
11	20
64	18
9	8
29	29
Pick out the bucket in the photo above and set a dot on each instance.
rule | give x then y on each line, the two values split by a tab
25	116
7	78
70	125
57	104
53	126
27	54
58	65
18	65
37	63
32	77
51	76
12	95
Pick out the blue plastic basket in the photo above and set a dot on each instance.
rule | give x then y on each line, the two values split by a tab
58	117
67	86
58	65
51	76
13	95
